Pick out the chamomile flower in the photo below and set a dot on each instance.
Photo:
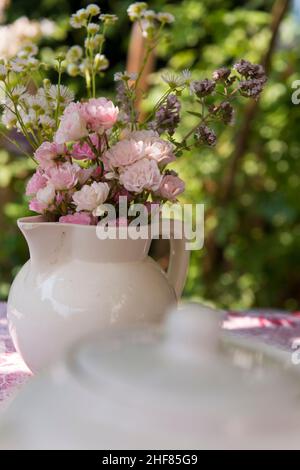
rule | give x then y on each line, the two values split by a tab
18	91
92	10
62	93
173	80
149	15
135	10
93	28
186	76
37	102
165	18
108	19
79	19
18	65
73	70
28	50
74	54
100	62
9	119
125	76
46	121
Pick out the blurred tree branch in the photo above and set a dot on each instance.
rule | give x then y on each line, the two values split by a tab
227	187
243	137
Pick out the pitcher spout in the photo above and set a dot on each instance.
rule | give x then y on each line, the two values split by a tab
47	242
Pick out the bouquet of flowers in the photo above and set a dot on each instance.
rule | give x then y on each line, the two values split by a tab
90	152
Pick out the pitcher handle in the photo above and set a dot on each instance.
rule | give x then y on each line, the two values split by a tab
179	255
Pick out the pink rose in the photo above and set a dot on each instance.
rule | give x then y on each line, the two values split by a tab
64	176
47	153
72	124
125	152
43	200
80	218
100	114
171	186
36	182
83	151
154	147
143	174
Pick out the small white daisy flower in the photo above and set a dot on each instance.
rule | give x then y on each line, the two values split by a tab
108	19
100	62
92	10
172	79
18	91
165	18
93	28
9	119
135	10
46	121
74	54
63	93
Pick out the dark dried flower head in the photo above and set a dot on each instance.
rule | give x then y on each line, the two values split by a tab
205	135
252	88
221	74
249	70
227	112
203	88
167	117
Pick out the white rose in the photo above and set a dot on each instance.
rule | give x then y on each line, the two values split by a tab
90	197
46	195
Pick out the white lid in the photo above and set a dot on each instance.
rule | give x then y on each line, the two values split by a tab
183	377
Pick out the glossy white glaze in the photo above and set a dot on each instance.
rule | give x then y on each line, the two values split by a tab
75	284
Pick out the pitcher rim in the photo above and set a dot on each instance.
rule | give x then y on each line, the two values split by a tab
38	220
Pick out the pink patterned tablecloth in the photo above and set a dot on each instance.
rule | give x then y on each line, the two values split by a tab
276	328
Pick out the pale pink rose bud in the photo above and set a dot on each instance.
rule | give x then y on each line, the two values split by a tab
36	206
47	153
64	176
84	151
143	174
80	218
72	125
46	195
171	186
100	114
36	182
90	197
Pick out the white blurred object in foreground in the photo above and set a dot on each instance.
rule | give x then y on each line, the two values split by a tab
177	387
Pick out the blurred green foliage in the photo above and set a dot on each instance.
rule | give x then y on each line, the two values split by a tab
252	250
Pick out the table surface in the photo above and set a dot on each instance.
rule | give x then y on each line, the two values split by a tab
271	327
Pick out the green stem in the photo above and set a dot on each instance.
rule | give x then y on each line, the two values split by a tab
58	93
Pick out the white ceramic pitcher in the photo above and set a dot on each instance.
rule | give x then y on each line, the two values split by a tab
75	283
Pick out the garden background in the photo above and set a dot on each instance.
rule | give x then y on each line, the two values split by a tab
250	182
